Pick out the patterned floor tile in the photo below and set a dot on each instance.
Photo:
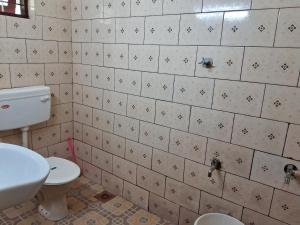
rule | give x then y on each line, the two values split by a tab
85	209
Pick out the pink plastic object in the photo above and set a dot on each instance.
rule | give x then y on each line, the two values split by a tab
71	149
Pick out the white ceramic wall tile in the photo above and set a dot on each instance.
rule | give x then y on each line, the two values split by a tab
234	159
126	127
42	51
56	29
193	91
282	103
63	9
81	31
76	52
144	7
92	54
58	73
136	195
182	194
154	135
92	97
82	74
46	8
83	151
103	120
250	28
138	153
162	30
269	169
27	74
188	145
92	136
260	134
212	204
195	174
225	5
128	81
112	183
182	6
114	144
14	49
65	52
287	34
103	77
227	62
143	57
130	30
66	93
5	76
238	97
257	4
168	164
284	205
272	65
116	55
201	29
141	108
124	169
3	31
158	86
92	9
116	8
172	115
292	146
102	159
83	114
115	102
177	60
151	180
252	217
75	9
103	30
20	28
163	208
187	217
247	193
211	123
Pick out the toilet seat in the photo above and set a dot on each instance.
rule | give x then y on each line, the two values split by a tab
62	171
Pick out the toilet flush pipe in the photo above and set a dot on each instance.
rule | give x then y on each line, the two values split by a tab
25	136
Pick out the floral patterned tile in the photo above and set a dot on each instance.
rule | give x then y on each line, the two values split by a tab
84	210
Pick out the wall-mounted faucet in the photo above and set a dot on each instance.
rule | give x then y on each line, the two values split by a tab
290	171
215	165
207	63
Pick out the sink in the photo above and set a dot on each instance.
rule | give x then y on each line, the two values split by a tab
22	173
217	219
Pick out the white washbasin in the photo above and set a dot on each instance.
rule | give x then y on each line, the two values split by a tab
217	219
22	173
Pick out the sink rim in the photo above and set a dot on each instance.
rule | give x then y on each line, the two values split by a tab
40	163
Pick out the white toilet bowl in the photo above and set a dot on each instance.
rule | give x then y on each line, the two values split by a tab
217	219
53	194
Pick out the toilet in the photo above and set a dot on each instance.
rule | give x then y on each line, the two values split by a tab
53	202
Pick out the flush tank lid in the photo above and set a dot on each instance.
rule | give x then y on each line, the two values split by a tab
26	92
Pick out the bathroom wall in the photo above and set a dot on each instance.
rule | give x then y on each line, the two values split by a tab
149	117
38	51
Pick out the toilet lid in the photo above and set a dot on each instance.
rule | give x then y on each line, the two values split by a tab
62	171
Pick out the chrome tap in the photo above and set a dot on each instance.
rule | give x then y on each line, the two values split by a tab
207	63
289	170
215	165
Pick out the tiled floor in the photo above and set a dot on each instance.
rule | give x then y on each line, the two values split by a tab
84	210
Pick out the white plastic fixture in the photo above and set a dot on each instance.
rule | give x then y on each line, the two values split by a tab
22	173
217	219
23	107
